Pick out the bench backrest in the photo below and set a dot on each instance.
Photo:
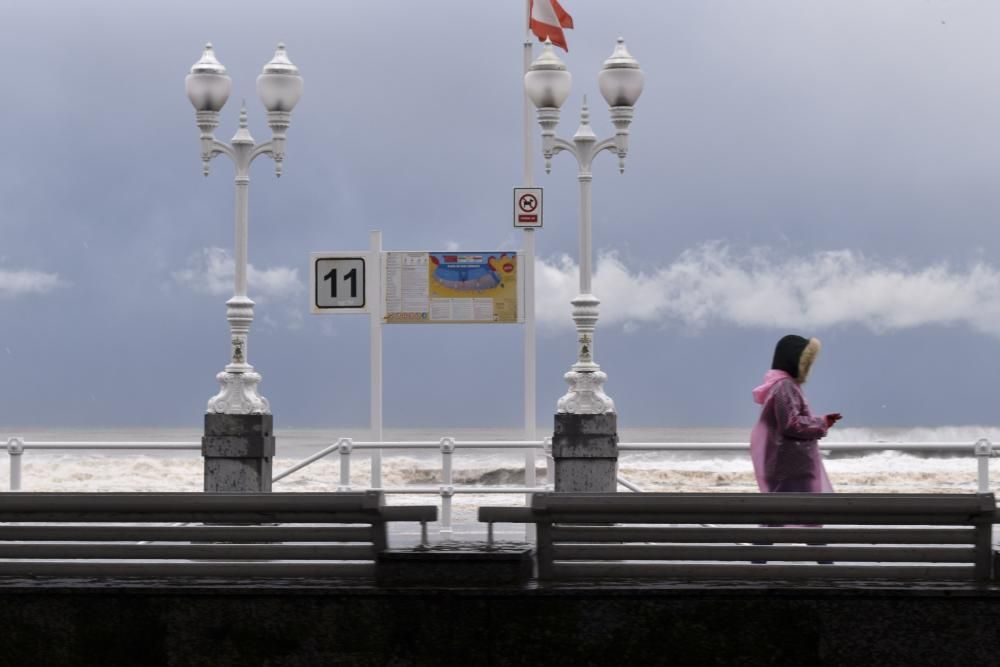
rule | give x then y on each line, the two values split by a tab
221	533
748	535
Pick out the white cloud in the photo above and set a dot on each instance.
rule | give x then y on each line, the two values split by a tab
211	271
18	283
763	288
278	289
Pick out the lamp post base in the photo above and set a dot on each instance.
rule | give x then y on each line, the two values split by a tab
586	393
585	451
238	395
238	450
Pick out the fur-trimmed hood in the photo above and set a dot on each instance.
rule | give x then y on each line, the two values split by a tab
795	355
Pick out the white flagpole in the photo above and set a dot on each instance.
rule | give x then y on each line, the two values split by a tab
529	164
527	270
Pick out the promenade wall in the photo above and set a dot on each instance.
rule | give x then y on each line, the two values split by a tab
360	623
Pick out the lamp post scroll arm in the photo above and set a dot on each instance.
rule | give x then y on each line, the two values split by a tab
214	148
265	148
559	144
609	144
551	145
618	145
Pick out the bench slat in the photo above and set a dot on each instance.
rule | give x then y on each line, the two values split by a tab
733	571
563	552
98	532
564	533
192	502
208	551
843	504
779	519
229	570
234	516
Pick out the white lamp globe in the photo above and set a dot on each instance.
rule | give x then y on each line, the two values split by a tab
208	85
547	81
620	79
279	84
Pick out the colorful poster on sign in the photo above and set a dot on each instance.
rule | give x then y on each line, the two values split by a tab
473	287
451	287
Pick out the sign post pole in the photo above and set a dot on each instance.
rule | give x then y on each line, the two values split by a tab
530	422
377	294
528	216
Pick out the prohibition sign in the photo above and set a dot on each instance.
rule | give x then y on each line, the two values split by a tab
528	207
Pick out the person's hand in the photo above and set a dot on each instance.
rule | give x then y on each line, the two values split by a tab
832	418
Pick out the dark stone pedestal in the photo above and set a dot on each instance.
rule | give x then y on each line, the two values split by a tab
585	451
457	563
238	450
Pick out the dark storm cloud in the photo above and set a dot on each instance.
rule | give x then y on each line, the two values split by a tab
798	127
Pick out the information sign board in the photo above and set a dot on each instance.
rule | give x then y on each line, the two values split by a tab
451	287
528	207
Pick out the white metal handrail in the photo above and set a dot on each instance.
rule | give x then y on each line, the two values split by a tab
86	444
826	446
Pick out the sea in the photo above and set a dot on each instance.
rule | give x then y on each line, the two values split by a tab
871	471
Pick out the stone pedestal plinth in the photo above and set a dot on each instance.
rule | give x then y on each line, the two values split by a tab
238	450
585	451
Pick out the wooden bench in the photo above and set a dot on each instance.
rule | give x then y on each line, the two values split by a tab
721	535
223	534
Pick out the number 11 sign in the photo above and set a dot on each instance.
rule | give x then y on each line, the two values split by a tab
338	282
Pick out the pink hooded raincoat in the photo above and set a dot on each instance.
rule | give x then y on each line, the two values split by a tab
783	444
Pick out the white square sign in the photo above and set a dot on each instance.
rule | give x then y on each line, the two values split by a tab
528	207
338	282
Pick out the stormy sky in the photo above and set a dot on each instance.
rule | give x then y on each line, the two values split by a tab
827	168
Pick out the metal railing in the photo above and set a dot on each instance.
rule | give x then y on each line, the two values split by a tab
446	489
982	450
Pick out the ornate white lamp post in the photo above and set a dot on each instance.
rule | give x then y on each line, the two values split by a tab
279	87
238	445
590	444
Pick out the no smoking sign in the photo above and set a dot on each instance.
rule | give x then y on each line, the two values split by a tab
528	207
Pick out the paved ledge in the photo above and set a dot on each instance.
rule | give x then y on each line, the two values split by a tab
199	621
369	586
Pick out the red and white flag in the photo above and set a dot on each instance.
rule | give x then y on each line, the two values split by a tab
548	19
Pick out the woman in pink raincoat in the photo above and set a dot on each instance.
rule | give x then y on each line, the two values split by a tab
784	443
